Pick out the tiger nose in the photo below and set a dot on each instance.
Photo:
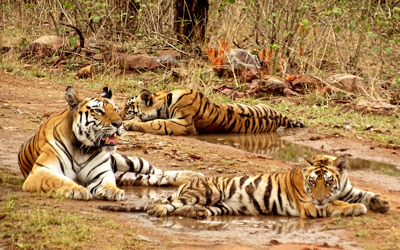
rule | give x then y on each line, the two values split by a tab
117	124
320	200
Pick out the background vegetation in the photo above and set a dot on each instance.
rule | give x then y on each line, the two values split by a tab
318	38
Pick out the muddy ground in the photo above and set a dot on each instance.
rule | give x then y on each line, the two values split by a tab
24	102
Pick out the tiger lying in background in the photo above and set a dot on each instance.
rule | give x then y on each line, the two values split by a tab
73	154
188	112
318	188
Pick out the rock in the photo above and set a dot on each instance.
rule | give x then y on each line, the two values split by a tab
350	83
376	107
86	72
289	92
98	57
35	50
11	53
273	85
50	42
167	61
172	53
306	85
249	75
139	62
57	72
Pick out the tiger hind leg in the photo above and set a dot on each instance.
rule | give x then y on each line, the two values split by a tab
159	178
42	179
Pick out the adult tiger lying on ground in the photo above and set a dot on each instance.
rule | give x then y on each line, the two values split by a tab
188	112
318	188
73	154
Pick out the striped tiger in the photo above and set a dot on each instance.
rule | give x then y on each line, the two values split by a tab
73	154
319	187
189	112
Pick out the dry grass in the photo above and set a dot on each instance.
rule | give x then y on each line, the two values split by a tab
377	231
38	222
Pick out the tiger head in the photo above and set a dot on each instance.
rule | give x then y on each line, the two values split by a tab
145	107
324	177
96	122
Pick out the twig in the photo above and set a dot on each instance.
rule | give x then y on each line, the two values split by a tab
62	10
81	39
55	24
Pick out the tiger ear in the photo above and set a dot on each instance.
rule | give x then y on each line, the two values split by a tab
106	93
145	98
340	163
304	163
72	97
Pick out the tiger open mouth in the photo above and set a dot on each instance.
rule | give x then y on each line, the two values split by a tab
108	141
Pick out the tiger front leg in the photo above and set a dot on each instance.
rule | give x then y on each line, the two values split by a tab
100	180
45	180
333	209
163	127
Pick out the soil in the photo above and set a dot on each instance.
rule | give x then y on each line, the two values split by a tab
25	102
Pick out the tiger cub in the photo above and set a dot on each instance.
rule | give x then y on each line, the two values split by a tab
319	187
73	154
189	112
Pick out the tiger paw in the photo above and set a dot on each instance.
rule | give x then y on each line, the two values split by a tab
201	211
132	126
110	192
157	210
379	204
76	193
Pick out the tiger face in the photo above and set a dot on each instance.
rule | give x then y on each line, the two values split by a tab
96	122
323	178
144	107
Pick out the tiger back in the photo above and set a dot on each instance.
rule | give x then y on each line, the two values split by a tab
189	112
318	188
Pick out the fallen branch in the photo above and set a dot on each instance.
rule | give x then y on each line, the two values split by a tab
81	39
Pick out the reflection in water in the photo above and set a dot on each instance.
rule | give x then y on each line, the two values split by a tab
270	144
274	224
263	144
278	224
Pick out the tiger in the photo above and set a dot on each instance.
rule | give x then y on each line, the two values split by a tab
189	112
317	188
74	154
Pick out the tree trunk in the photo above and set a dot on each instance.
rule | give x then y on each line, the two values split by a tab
191	18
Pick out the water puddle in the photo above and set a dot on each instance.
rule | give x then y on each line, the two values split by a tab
140	196
251	229
244	230
270	144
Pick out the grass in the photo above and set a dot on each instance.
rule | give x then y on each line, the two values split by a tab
39	221
378	231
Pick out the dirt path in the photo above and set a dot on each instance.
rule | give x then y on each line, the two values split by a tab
23	102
